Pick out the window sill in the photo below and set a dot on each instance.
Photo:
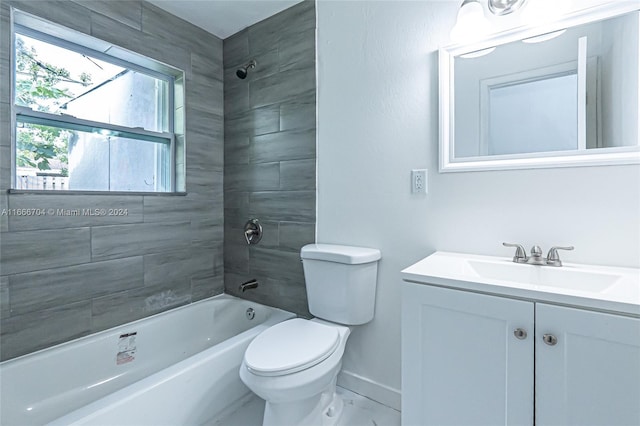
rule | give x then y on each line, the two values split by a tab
65	192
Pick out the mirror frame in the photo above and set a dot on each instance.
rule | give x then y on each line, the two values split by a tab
597	157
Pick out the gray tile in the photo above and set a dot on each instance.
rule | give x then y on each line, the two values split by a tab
254	122
207	286
27	333
275	264
204	138
65	13
176	267
73	211
264	120
270	235
36	291
5	168
5	52
236	209
298	53
4	297
294	235
125	37
286	24
207	231
298	175
236	49
118	241
205	185
128	12
5	108
291	289
298	306
121	308
5	98
4	218
281	87
281	146
236	150
298	113
27	251
267	63
174	209
252	177
209	67
289	206
205	94
188	36
236	97
236	257
237	200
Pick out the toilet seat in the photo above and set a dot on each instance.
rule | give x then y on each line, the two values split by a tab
291	346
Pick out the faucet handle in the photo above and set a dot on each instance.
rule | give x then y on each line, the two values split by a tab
553	258
521	254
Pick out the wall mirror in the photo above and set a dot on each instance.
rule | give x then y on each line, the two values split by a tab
560	95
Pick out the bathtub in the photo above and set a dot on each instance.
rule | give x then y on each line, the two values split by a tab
176	368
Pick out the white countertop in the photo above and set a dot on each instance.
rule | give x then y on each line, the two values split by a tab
604	288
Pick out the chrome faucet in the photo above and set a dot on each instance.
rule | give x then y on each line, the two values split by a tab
252	283
552	259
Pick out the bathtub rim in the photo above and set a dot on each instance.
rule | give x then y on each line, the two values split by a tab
221	296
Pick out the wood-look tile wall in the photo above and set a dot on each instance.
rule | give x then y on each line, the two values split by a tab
270	155
62	277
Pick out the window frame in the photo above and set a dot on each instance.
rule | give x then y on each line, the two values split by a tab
79	43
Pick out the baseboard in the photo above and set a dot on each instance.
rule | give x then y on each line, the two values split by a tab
378	392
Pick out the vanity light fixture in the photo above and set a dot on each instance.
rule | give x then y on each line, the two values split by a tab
504	7
471	22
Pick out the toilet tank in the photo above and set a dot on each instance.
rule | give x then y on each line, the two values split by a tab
341	282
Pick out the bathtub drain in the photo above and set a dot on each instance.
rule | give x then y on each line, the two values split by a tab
251	313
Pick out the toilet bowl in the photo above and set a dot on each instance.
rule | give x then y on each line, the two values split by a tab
295	373
294	365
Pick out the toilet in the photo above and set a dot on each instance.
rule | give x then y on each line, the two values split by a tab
294	365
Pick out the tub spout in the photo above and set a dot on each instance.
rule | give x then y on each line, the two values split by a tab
253	283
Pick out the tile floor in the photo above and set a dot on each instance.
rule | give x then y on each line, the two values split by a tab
358	411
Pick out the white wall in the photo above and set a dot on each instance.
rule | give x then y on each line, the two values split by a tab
378	119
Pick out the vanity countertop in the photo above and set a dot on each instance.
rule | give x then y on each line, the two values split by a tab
605	288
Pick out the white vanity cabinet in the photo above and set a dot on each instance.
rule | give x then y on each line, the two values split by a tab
479	359
591	376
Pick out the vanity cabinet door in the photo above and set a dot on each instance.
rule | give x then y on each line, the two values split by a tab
465	358
590	373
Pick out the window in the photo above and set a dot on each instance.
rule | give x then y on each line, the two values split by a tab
89	121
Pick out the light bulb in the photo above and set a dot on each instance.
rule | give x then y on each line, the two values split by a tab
471	23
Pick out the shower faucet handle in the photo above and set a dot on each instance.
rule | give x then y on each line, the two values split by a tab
521	254
253	231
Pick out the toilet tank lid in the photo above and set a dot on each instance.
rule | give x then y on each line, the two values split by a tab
340	254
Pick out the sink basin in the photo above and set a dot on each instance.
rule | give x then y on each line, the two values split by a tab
601	287
563	277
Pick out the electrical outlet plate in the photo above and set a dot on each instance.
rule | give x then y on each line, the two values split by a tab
419	181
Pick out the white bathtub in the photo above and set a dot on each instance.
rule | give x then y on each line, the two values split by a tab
179	368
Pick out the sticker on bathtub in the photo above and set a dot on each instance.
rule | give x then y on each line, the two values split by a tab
126	348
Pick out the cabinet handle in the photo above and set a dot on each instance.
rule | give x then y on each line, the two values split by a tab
520	333
549	339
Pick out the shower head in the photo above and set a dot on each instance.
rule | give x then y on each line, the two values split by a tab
243	71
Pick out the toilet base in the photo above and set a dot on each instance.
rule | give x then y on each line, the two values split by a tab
319	410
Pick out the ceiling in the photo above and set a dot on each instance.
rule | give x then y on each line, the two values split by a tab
223	17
